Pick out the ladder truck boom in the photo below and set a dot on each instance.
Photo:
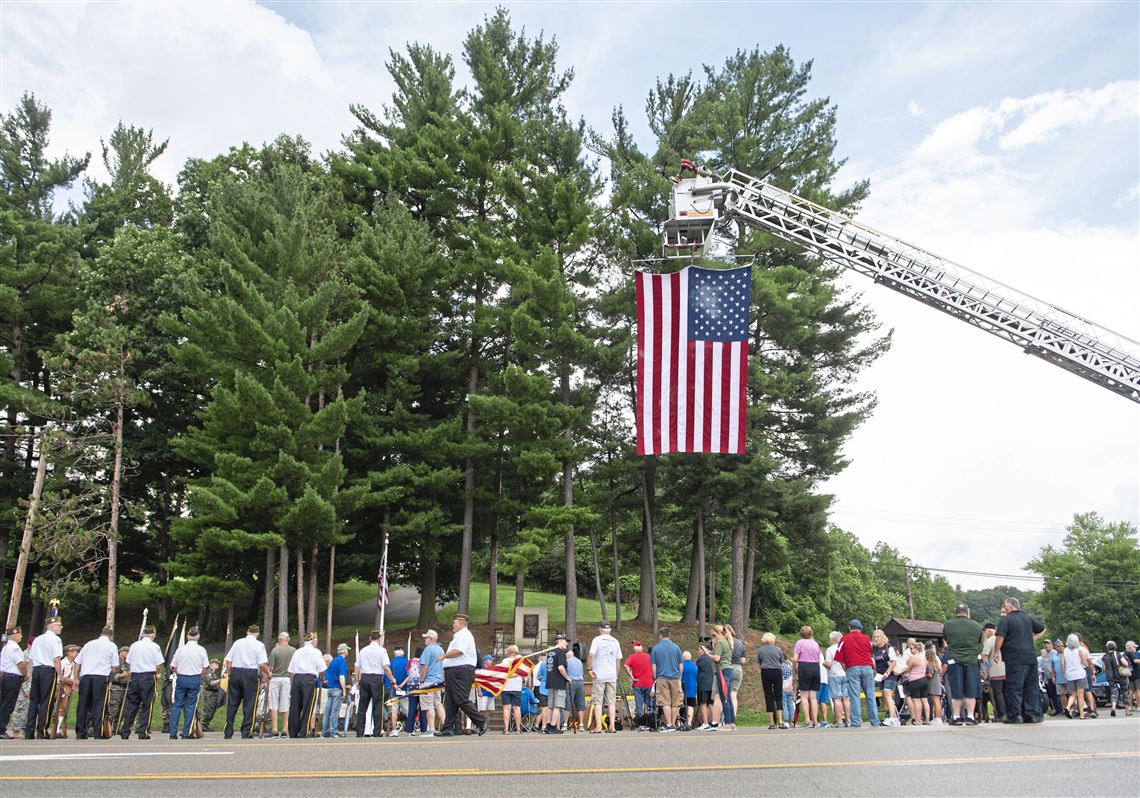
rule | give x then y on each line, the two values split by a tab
702	202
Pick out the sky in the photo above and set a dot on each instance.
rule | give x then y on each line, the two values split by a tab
1005	137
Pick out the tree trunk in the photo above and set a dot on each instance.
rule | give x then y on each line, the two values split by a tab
646	597
712	593
26	542
701	603
116	489
311	618
750	568
695	573
229	625
617	577
283	589
736	611
469	476
571	566
493	576
427	617
329	603
270	594
300	569
520	588
597	573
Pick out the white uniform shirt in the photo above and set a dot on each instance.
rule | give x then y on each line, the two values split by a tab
45	648
98	657
606	651
465	642
11	657
308	661
145	656
190	660
249	652
373	659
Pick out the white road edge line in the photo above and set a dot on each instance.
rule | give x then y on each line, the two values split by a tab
106	755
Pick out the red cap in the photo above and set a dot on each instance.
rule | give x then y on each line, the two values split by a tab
637	642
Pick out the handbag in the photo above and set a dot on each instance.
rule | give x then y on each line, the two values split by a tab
899	667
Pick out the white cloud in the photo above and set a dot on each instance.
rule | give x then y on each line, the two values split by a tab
968	427
1128	197
914	109
1045	114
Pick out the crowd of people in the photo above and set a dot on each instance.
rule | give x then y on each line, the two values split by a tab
978	673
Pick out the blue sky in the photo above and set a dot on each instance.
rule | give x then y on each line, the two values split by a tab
1004	136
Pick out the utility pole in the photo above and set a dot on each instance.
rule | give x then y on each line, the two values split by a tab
909	593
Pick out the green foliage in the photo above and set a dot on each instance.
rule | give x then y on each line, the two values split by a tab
1092	582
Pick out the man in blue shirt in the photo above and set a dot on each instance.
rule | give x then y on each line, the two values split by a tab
666	661
689	687
399	667
333	680
431	674
577	673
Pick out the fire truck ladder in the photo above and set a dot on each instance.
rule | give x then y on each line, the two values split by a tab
1062	338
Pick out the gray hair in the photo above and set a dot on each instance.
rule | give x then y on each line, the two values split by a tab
1013	602
1072	641
834	636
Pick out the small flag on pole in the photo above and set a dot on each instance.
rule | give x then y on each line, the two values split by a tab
382	585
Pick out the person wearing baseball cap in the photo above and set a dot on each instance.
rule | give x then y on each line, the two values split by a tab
458	676
854	653
431	681
279	685
602	664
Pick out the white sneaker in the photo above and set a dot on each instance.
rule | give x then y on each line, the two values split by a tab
427	734
394	733
704	727
936	722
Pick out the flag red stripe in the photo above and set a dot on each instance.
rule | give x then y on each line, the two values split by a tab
639	410
657	364
742	391
674	356
725	394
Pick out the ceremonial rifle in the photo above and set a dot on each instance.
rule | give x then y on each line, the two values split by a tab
123	702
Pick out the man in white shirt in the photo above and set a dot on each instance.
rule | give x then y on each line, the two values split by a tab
372	664
144	659
93	667
458	676
602	665
45	654
307	664
13	670
246	662
187	665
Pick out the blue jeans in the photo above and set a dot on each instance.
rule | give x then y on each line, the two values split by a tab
330	722
861	678
643	700
185	698
724	689
789	700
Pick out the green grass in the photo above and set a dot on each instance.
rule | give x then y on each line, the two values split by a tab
555	603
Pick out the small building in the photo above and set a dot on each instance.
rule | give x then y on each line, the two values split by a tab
899	629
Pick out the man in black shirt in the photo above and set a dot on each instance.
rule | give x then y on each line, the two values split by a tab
1015	635
557	684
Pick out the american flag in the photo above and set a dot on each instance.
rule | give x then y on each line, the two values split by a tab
382	585
692	360
494	678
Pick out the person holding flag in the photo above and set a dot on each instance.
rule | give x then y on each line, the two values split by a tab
458	676
372	664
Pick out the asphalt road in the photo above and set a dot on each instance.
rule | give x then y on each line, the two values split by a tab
1100	757
403	605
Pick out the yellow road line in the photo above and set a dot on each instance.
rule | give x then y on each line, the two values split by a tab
418	773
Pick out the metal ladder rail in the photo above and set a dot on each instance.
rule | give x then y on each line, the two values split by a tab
1072	342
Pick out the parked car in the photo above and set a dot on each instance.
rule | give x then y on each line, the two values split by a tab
1100	688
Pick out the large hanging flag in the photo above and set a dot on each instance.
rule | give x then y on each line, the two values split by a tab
692	360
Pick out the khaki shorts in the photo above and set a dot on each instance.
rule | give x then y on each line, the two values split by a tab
431	700
279	688
669	693
603	693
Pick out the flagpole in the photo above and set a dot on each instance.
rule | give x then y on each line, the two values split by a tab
383	585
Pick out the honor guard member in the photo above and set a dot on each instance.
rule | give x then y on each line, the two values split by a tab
12	672
46	654
246	663
93	668
144	660
458	675
187	665
307	664
372	664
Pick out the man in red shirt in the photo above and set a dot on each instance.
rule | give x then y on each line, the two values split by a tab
640	671
855	654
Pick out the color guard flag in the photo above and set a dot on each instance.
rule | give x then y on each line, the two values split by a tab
692	360
494	678
382	585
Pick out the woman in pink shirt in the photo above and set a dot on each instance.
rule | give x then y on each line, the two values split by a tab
805	659
917	687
